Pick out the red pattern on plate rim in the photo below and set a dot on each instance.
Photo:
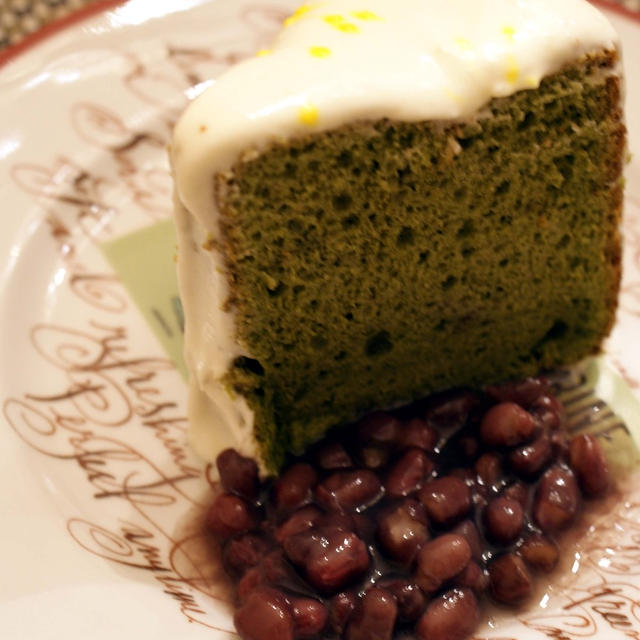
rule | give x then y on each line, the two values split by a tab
99	6
617	7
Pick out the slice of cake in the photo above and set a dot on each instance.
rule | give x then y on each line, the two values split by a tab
398	197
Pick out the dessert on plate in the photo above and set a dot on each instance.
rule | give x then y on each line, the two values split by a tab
404	525
398	198
395	198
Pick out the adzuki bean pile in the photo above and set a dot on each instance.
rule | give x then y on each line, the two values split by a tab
405	521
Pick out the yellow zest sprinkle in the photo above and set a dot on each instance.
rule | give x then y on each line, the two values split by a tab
264	52
454	96
298	14
209	243
463	43
341	23
533	82
320	52
513	71
366	15
308	114
508	31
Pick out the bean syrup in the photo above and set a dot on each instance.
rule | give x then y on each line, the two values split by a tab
405	522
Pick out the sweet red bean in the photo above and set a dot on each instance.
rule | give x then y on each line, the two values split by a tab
540	553
329	559
309	616
238	474
267	528
441	559
548	411
589	463
531	459
507	425
402	530
336	520
374	616
523	392
378	427
488	469
408	474
559	445
473	577
229	515
409	597
277	570
481	497
510	580
417	433
341	607
452	409
452	616
556	500
518	492
447	499
324	533
373	455
294	488
363	525
249	581
299	548
503	519
333	456
359	523
244	552
264	615
466	475
469	532
349	490
298	522
467	447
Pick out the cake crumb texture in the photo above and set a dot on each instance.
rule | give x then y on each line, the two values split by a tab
380	261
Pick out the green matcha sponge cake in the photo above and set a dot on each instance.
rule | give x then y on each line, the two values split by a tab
395	199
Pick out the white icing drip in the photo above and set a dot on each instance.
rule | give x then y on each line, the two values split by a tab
336	62
209	346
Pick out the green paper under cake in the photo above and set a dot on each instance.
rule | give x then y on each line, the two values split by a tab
144	262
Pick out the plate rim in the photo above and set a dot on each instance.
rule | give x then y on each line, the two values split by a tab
101	6
53	27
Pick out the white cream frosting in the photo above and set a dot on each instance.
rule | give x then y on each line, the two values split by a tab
335	62
217	418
